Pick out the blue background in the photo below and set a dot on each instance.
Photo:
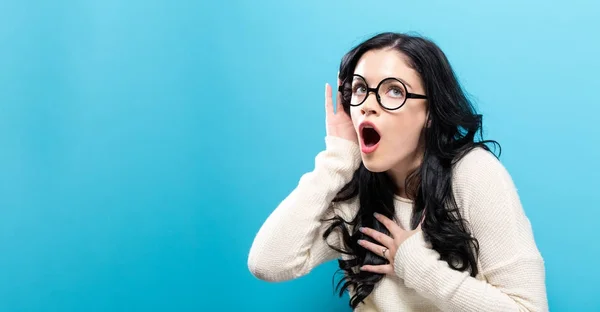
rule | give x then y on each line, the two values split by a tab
144	142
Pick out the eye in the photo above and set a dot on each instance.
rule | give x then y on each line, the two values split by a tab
396	92
359	89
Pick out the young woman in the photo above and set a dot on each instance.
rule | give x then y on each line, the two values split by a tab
421	215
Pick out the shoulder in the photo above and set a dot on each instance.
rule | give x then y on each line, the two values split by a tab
479	176
488	200
477	166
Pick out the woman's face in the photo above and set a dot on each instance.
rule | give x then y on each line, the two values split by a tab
397	145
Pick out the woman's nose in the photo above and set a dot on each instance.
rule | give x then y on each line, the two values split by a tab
370	106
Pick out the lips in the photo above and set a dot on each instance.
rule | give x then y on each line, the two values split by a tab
369	137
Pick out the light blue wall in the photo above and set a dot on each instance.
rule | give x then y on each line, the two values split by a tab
144	142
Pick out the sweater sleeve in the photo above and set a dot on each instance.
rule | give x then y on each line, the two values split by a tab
509	261
290	242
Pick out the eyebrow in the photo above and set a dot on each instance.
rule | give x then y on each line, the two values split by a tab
403	81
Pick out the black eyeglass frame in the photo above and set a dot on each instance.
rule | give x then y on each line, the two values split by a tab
375	90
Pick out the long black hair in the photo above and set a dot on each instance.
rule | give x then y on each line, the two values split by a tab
452	128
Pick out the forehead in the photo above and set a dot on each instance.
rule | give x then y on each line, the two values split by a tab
376	65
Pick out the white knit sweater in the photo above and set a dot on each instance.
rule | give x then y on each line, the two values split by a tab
511	278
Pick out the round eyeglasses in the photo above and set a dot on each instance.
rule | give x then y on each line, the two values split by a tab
391	93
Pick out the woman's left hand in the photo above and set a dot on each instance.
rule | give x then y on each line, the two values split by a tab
389	245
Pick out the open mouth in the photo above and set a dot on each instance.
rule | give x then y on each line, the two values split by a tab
370	136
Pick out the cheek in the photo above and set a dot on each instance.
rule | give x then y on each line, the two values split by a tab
406	130
355	116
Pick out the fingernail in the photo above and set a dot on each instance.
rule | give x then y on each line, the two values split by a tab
362	229
376	214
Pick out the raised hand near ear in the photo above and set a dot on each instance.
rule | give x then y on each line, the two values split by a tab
338	123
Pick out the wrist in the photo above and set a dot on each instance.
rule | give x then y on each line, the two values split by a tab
345	149
412	256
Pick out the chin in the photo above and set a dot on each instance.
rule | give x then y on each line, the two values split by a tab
374	165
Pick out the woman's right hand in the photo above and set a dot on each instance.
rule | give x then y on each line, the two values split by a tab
338	123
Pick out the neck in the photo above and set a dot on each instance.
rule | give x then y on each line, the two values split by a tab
400	172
